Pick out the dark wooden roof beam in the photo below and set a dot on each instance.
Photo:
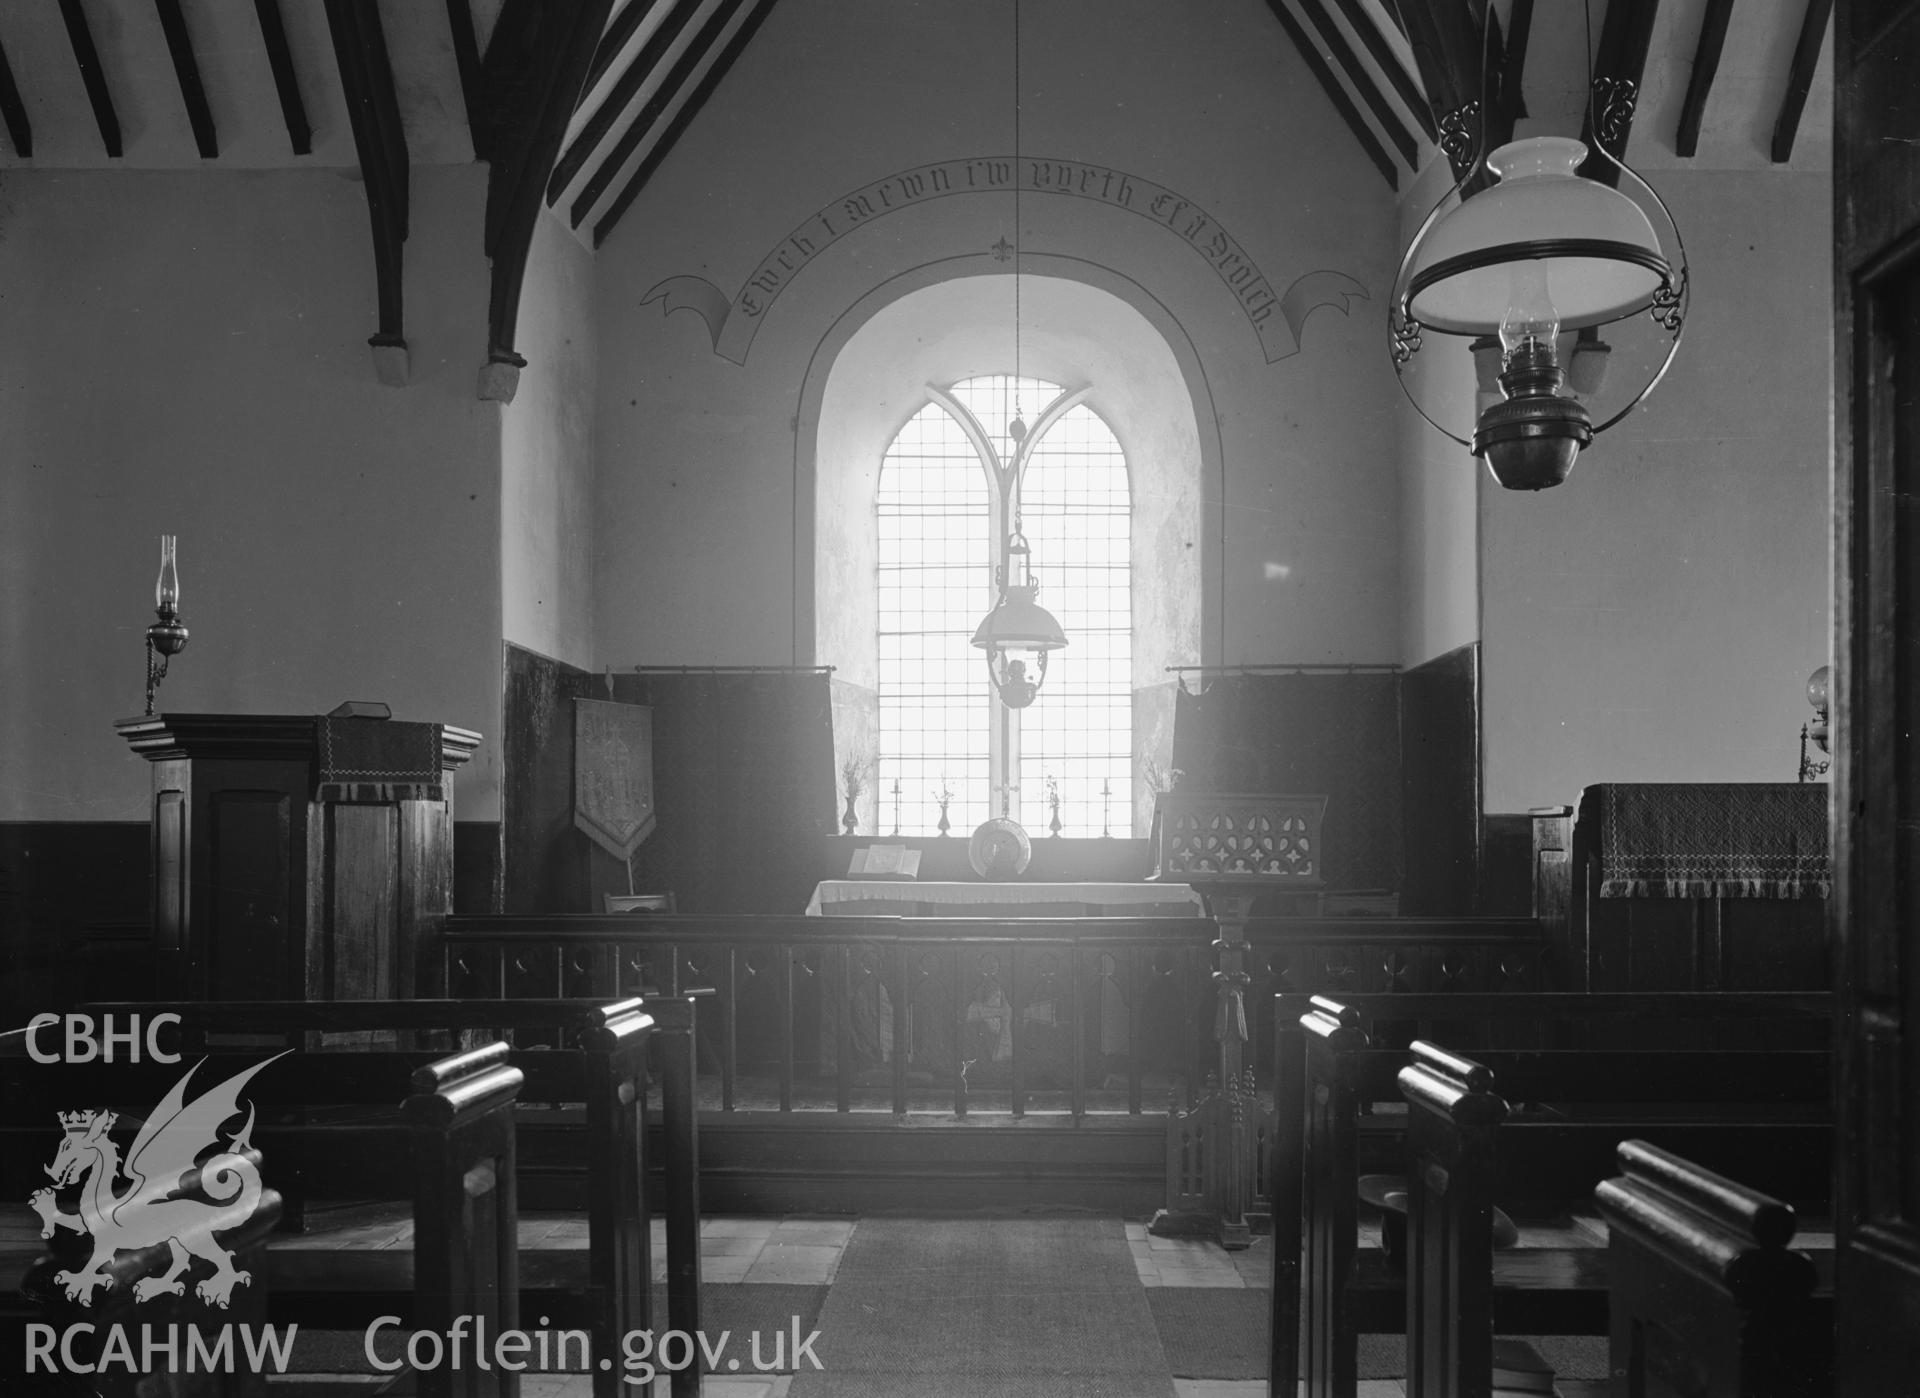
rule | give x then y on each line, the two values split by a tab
1510	90
663	146
1445	40
672	84
286	82
19	129
366	78
193	94
1625	36
1336	93
1388	62
1406	142
91	75
620	31
466	62
1706	64
1446	43
535	67
1806	57
625	92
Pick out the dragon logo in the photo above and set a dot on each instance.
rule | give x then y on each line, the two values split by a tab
162	1167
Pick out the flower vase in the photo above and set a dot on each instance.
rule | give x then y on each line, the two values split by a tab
850	822
1054	824
943	827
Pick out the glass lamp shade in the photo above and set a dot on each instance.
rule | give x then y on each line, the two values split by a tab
1818	685
1016	636
166	588
1817	692
1601	258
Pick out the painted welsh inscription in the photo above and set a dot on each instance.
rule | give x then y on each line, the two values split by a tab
1275	316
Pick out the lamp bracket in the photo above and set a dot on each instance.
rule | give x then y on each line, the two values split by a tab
1810	768
1406	337
1668	307
1615	100
1460	144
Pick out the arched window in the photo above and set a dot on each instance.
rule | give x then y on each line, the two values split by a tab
948	495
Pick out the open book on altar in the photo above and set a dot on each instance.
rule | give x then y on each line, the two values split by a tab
884	862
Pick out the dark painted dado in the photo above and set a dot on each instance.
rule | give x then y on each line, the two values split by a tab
1506	865
75	917
544	860
476	867
1440	784
73	912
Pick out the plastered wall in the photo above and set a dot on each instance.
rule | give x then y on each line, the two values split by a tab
546	456
186	353
700	491
1655	618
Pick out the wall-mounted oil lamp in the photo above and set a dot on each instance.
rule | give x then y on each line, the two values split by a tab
166	637
1817	730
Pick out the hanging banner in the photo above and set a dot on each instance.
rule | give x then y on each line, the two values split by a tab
613	774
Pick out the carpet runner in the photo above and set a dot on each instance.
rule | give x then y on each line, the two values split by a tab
987	1308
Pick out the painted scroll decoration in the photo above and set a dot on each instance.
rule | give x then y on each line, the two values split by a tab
1277	318
613	774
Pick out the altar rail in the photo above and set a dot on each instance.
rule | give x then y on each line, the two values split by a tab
1045	1014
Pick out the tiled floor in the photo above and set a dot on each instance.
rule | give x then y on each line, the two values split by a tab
1197	1261
795	1251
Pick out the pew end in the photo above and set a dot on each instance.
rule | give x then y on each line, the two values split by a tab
1707	1296
1453	1110
1534	1128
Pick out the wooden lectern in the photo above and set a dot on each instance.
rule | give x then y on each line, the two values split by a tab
1233	847
297	857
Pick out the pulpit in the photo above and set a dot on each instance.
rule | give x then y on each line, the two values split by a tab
297	857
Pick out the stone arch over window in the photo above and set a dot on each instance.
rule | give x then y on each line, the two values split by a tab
891	355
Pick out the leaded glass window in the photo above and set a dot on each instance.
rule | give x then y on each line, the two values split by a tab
947	498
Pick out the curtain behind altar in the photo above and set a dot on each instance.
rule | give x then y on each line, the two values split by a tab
743	785
1310	734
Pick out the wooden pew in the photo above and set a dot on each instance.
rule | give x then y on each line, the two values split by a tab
601	1066
1459	1134
1706	1295
676	1037
1326	1291
466	1223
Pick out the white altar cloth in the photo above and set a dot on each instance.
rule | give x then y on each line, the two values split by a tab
906	897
